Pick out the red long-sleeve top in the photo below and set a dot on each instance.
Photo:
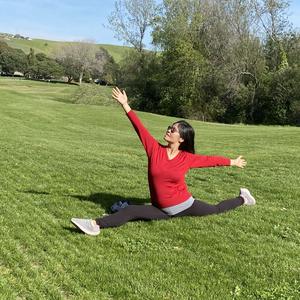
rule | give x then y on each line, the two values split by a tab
166	176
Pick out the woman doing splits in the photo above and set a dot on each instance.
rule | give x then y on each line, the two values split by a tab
167	167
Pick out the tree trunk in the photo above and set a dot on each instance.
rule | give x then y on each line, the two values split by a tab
80	77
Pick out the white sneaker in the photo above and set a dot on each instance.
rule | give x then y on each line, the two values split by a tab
86	225
248	198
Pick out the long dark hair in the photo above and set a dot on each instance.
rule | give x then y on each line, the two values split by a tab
187	133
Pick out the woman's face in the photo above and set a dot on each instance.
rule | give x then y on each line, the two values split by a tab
172	134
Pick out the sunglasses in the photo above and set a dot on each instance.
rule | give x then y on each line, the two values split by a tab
172	129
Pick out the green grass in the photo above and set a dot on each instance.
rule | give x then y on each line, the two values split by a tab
60	160
48	46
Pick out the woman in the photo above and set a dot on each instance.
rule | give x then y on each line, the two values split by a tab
167	166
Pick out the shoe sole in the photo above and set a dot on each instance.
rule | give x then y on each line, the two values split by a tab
83	229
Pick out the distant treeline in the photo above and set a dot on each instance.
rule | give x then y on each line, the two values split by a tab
70	62
227	61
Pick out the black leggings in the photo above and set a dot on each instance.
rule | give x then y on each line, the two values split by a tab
150	212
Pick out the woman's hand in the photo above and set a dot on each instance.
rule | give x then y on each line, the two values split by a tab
238	162
121	97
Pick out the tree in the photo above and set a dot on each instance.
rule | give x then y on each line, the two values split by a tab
32	64
131	19
191	76
12	60
292	45
47	68
82	58
235	52
40	66
272	18
213	58
76	58
70	67
105	67
31	57
220	60
279	98
142	80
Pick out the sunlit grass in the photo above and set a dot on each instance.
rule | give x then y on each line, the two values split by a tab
60	160
48	47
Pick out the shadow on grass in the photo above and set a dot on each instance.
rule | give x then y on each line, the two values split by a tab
35	192
73	229
106	200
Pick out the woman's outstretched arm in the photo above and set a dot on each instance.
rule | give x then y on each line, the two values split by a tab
146	138
204	161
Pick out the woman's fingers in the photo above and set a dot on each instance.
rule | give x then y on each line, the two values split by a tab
240	162
119	95
116	92
115	96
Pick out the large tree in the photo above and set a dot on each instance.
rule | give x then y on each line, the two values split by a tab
12	60
214	56
40	66
131	19
272	19
77	58
105	67
81	58
47	68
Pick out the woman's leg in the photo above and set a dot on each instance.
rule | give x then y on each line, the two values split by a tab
200	208
130	213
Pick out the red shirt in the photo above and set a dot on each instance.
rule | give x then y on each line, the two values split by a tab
166	176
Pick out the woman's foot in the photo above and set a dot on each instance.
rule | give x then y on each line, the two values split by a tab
88	226
248	198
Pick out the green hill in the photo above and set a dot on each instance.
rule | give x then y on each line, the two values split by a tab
60	160
47	46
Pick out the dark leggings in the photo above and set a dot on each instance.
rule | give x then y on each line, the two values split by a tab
150	212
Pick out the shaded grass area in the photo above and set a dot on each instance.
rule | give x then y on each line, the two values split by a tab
91	94
60	160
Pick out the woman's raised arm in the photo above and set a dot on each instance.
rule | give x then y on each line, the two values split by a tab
146	138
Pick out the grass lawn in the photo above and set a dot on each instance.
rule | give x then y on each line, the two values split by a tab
48	46
60	160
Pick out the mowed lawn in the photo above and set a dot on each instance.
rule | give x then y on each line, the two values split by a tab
61	160
48	47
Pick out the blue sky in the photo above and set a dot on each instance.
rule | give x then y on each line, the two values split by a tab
71	19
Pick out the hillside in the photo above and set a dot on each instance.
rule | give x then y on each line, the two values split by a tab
47	46
61	160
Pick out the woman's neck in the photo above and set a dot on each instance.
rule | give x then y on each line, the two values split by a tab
173	148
